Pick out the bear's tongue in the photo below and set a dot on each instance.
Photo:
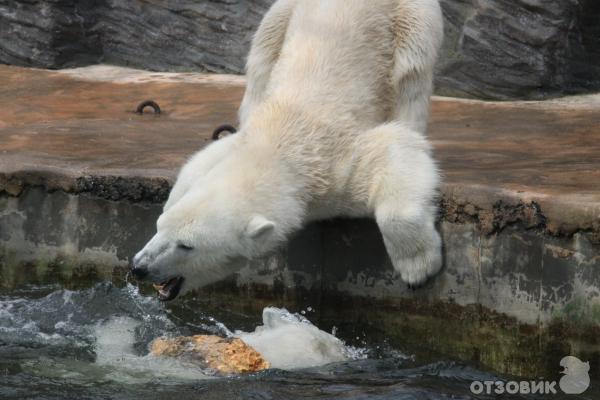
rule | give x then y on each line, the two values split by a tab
169	289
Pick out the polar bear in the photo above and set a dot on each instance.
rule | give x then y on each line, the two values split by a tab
331	124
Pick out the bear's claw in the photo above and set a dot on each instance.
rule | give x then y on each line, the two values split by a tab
417	270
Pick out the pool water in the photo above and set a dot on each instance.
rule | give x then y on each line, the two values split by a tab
93	344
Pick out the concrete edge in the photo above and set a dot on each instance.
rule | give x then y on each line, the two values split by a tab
491	209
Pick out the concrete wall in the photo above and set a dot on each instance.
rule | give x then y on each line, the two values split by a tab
532	291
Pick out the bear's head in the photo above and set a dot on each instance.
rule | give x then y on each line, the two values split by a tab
209	232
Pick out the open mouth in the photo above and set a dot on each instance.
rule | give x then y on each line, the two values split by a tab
169	289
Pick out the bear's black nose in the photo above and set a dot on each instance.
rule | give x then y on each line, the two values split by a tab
138	267
139	272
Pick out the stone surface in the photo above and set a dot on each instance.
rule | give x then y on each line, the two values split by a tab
224	355
503	163
82	184
506	49
495	49
164	34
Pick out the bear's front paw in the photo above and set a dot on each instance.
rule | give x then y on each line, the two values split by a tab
416	270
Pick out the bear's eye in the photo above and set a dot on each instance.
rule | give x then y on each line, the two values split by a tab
184	247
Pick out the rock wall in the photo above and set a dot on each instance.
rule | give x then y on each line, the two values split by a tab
495	49
170	35
505	49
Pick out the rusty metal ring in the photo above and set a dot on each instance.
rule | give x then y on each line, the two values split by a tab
223	128
148	103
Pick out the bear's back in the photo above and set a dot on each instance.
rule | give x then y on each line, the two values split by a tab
339	53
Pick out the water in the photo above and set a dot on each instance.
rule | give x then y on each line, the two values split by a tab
93	344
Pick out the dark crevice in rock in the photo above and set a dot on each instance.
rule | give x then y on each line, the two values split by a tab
584	46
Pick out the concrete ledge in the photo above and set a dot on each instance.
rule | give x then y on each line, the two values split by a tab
83	178
76	131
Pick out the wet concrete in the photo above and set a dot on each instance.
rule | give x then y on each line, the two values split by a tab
82	180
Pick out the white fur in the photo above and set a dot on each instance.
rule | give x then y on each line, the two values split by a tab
332	124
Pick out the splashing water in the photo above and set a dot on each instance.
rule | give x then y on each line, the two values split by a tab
290	342
93	344
105	332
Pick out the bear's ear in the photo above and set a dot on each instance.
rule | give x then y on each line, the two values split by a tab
258	226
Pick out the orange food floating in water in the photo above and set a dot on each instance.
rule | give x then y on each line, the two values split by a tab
225	355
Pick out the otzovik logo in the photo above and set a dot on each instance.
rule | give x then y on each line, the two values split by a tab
576	380
577	377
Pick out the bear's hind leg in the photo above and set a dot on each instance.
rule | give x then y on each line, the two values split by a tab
418	27
264	53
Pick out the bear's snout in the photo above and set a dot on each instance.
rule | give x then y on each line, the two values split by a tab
138	268
140	272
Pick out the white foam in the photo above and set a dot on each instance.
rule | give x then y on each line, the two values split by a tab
114	347
291	342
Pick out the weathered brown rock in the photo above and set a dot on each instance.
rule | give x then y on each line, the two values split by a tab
529	163
503	163
225	355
